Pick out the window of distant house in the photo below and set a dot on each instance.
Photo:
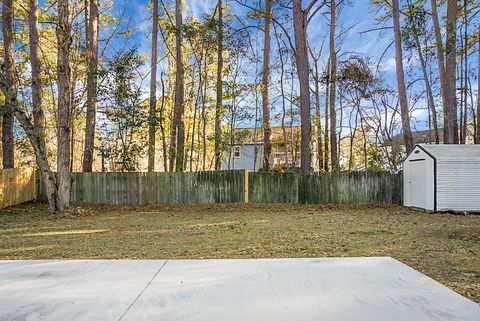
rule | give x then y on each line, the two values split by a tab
236	151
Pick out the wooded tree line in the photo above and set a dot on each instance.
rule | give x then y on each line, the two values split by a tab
74	89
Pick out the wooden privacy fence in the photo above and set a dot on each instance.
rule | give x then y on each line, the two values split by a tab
335	188
17	186
235	186
156	188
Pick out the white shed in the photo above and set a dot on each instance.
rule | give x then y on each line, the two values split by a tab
442	178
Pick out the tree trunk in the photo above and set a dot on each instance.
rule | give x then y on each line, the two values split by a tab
36	139
462	91
11	86
153	91
282	94
179	88
267	146
41	157
466	80
204	114
428	86
162	127
195	110
37	110
219	104
318	117
333	89
293	139
301	55
450	104
326	159
478	92
92	83
64	40
402	92
440	49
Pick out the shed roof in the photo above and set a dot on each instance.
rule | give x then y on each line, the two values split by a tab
453	151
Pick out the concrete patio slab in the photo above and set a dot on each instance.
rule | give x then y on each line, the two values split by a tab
337	289
71	290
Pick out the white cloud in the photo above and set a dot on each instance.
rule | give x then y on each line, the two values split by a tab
388	65
200	7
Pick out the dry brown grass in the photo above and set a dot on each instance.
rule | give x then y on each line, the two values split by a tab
445	247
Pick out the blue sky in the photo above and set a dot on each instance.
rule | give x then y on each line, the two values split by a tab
358	16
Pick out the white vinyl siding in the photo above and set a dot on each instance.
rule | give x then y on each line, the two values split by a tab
458	185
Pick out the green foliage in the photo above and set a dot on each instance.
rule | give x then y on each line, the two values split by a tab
126	113
414	31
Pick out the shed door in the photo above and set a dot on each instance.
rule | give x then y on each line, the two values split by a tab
417	183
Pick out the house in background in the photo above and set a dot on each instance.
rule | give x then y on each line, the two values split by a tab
248	156
419	137
394	151
426	137
246	152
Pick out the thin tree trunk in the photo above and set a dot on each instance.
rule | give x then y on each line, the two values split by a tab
318	119
8	156
333	89
267	146
326	165
463	97
219	87
162	127
301	54
339	135
351	160
440	49
402	92
428	86
64	40
153	91
450	105
72	148
465	60
195	109
204	114
292	137
179	89
478	92
282	93
92	83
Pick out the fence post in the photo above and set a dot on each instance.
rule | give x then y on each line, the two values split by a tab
35	183
245	188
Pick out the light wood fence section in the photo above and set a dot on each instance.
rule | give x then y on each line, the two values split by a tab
17	186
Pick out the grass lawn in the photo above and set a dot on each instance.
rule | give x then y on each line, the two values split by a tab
445	247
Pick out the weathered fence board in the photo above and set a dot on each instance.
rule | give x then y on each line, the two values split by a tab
338	188
17	186
234	187
156	188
